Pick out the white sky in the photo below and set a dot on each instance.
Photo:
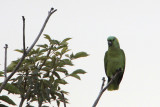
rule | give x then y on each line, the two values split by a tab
135	23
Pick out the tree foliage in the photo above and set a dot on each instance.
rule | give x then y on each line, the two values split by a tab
43	71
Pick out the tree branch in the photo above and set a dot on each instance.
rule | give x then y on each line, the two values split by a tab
24	47
5	61
52	10
25	96
104	89
46	58
103	81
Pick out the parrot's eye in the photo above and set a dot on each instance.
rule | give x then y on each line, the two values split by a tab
110	41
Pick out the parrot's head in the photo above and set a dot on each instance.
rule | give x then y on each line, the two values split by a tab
113	42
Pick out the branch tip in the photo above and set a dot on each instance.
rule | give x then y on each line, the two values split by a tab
6	46
104	88
103	79
23	18
5	62
52	8
28	50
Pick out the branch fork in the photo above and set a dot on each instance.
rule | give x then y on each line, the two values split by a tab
52	10
104	88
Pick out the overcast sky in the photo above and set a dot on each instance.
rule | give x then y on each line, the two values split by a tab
136	23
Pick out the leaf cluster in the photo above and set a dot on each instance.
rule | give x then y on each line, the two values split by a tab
43	71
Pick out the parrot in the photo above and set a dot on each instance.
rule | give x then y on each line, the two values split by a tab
114	61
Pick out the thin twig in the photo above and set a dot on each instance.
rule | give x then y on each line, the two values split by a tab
24	47
102	90
24	55
103	81
49	14
46	58
25	96
5	62
63	99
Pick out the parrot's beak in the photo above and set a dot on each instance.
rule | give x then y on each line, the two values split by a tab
109	43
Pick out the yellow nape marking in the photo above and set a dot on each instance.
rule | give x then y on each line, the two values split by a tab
117	40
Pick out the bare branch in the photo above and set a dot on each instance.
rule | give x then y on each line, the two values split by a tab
103	81
24	47
104	89
49	14
5	61
24	55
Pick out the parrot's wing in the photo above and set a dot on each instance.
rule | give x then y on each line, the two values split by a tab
120	76
105	65
124	59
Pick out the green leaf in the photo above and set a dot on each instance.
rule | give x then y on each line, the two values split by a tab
79	71
54	87
48	69
71	56
64	50
7	100
1	73
64	42
75	76
44	50
64	92
66	62
20	79
51	79
47	91
67	55
11	88
12	66
1	105
18	50
52	91
80	54
62	70
57	53
57	75
55	42
59	95
61	81
58	103
43	46
46	75
47	37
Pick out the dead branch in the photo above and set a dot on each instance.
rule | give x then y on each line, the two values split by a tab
24	47
52	10
5	62
104	89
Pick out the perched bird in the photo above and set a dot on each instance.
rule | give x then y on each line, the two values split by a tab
114	61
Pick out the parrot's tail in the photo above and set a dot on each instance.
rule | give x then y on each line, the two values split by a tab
115	84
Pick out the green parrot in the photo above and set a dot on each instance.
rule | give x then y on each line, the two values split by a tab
114	61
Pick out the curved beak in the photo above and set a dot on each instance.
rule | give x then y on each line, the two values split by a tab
109	43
